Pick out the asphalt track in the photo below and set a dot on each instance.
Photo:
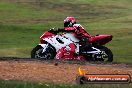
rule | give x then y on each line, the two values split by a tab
28	69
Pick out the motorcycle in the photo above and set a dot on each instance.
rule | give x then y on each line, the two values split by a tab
50	43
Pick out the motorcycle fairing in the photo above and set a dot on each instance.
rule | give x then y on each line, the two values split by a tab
44	47
54	41
100	39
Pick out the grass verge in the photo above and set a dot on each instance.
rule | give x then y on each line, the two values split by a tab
22	23
22	84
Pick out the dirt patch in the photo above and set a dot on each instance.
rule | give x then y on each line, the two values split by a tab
41	71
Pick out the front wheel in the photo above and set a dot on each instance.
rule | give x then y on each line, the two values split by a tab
48	54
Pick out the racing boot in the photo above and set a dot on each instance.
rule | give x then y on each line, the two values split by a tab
85	44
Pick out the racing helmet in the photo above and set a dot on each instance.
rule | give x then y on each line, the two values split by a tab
69	22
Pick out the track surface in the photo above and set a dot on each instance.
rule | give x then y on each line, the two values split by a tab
46	71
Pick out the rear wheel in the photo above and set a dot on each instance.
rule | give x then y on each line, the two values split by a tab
48	54
106	54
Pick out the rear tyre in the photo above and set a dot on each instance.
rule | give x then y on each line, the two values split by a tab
38	53
108	55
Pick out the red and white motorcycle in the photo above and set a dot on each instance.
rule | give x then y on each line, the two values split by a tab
51	43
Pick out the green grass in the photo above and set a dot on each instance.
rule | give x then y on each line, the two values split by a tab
21	24
21	84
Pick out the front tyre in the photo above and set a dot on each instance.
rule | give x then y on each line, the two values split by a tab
38	53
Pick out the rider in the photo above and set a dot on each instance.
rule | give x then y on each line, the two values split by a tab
79	32
77	29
